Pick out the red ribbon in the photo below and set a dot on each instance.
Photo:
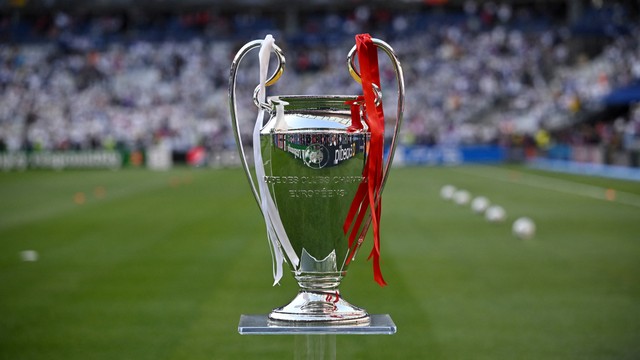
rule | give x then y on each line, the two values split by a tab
368	196
356	123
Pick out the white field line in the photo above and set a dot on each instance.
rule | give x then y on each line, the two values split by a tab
554	184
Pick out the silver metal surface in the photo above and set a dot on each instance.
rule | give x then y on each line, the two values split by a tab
313	168
314	160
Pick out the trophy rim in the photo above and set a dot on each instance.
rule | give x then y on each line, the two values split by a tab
309	97
318	131
313	103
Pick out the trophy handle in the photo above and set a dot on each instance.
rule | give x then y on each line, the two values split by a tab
392	148
400	77
261	106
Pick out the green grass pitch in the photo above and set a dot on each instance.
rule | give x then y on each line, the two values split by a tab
135	264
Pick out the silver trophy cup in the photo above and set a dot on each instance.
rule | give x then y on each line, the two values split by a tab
313	165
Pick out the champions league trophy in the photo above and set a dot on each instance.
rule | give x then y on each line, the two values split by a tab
319	176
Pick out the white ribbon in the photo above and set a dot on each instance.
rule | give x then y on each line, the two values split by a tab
275	230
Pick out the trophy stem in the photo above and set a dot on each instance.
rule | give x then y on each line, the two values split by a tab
322	282
319	301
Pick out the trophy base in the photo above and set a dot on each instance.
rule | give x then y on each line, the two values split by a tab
320	307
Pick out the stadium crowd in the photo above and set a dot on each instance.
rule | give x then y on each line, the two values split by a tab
478	75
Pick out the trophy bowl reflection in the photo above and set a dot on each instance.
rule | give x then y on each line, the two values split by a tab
313	164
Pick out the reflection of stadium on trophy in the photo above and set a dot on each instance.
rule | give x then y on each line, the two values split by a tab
315	156
320	151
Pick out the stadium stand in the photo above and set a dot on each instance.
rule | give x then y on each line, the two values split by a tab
518	76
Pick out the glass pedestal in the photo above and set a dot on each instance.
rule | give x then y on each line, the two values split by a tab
314	341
